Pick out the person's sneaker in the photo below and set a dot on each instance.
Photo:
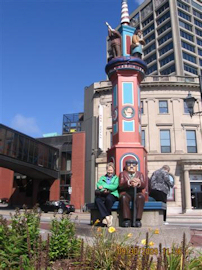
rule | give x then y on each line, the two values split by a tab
109	220
104	221
165	223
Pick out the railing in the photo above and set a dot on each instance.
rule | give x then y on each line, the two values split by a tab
158	78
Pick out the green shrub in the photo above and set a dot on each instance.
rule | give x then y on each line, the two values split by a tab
63	241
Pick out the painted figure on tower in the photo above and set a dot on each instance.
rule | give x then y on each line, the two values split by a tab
137	42
115	38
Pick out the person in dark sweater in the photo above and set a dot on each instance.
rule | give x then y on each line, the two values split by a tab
160	185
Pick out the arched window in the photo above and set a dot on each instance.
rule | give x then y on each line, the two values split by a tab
171	194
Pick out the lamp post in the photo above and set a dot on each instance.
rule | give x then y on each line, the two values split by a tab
190	101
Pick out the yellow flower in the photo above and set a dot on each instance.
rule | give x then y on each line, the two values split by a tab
156	231
99	229
143	242
151	244
130	235
111	229
96	222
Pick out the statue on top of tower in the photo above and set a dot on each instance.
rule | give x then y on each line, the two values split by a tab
137	42
115	38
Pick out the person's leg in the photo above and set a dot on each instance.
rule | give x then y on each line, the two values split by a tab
125	199
101	206
109	201
159	196
140	200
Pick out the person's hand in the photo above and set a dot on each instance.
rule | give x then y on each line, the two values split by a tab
100	187
174	186
105	190
135	182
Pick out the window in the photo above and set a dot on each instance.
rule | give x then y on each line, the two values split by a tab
185	7
158	2
149	29
166	49
164	28
163	106
171	194
150	59
149	49
165	141
150	38
163	18
197	14
186	108
191	141
199	41
165	38
200	52
200	62
145	11
194	4
185	35
198	23
190	69
184	15
185	25
189	57
161	9
198	32
188	46
152	69
167	59
147	21
142	107
143	138
168	70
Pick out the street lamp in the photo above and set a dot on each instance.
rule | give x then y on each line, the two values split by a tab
190	101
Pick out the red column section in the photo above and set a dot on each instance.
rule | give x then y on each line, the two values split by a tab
6	183
78	169
55	190
128	43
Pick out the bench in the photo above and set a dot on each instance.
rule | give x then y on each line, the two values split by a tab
152	215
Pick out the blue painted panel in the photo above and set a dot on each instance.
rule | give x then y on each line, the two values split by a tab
115	128
128	126
115	96
128	93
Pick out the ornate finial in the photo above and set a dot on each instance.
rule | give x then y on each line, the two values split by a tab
124	13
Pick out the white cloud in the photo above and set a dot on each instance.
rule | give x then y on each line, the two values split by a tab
139	2
27	125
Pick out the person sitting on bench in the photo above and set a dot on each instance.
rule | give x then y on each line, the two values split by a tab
128	179
106	194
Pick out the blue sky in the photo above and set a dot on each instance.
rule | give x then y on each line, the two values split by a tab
49	51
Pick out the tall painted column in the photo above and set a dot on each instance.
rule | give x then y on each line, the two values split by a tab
126	72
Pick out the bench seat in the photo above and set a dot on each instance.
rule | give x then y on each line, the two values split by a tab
152	215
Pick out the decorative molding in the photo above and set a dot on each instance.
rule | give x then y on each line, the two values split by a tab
164	124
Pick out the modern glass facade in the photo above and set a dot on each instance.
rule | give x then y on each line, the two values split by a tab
166	24
23	148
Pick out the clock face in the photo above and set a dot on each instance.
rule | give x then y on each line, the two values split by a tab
115	115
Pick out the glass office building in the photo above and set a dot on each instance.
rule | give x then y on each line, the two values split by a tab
172	30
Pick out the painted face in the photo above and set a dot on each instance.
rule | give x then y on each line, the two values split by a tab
110	171
131	168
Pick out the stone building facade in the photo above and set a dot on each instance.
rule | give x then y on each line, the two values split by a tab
169	135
